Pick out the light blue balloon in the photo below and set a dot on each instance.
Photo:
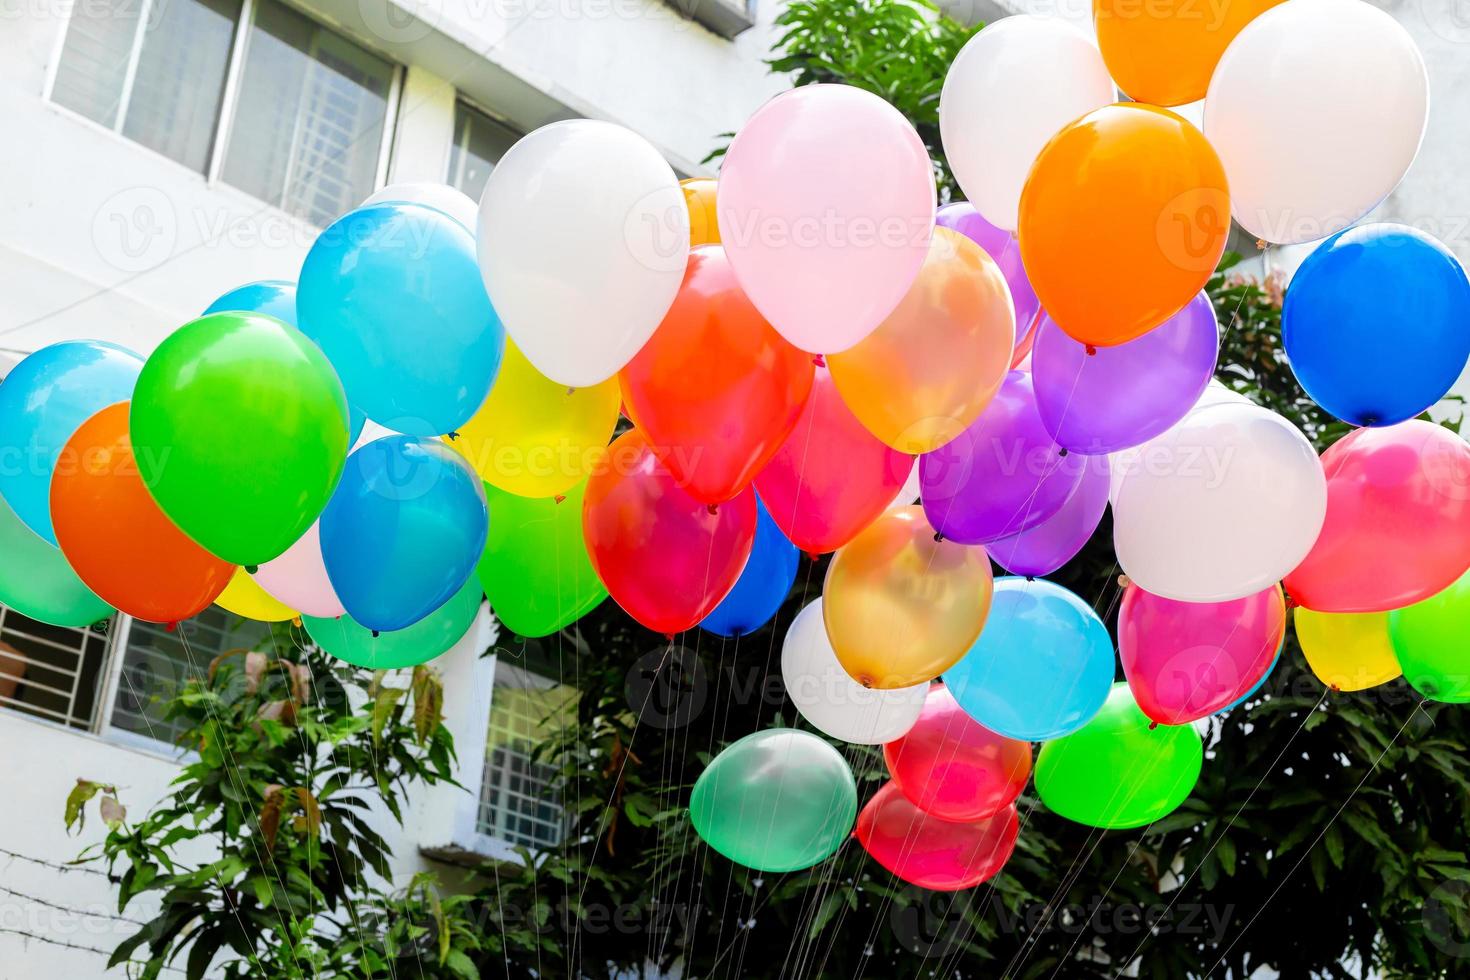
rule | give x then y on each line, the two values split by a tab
1043	664
403	530
393	294
762	586
277	298
43	401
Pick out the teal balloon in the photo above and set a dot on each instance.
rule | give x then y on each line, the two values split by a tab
430	637
36	581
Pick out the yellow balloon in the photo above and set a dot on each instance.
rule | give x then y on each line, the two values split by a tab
900	607
1347	651
244	598
534	437
699	195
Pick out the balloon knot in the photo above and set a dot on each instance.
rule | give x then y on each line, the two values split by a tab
1124	581
938	537
571	390
1291	602
1260	244
559	498
1370	420
1336	689
1091	351
819	360
451	436
375	634
1063	451
813	556
170	626
669	637
251	569
713	509
296	621
1031	578
1152	725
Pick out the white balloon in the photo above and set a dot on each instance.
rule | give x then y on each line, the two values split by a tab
1120	462
583	238
1317	109
1219	507
1010	89
831	700
452	201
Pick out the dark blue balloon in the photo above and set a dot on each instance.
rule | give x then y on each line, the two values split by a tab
403	530
1377	323
762	586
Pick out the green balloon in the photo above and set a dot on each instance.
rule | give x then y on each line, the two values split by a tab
36	581
1119	770
346	639
777	800
535	568
240	428
1429	639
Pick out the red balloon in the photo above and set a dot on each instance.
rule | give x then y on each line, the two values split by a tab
1398	520
716	388
952	767
923	850
832	477
666	558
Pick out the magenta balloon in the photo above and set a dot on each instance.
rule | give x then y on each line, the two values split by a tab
938	854
1056	541
1186	660
1001	246
1122	396
1002	475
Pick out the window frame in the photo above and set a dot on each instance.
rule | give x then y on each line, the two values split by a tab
463	101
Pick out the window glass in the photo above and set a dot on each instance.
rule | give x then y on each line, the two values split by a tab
479	143
520	801
48	671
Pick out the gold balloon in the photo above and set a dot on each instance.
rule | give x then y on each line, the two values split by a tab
534	437
933	365
699	195
244	598
1347	651
901	607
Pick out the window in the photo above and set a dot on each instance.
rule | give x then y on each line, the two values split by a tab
50	671
479	143
518	799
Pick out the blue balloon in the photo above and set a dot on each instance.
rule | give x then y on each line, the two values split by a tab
403	530
1376	323
277	298
43	401
762	586
1043	664
392	293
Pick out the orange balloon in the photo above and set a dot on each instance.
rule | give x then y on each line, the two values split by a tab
1123	219
901	608
699	195
1164	51
933	365
117	540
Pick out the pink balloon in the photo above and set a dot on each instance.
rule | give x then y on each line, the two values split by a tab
952	767
298	578
1398	520
826	206
923	850
1186	660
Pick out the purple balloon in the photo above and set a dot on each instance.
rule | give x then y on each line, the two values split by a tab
1002	475
1052	543
1123	396
1001	246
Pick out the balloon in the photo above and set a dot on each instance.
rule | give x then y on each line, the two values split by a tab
1002	476
115	537
951	766
1186	660
431	194
419	643
42	402
933	365
1122	770
1398	520
704	222
243	597
1221	506
240	428
1304	161
1000	245
776	800
1397	345
924	850
392	293
833	702
716	390
583	238
762	586
1163	53
826	203
900	606
535	570
1011	87
298	577
1260	683
403	531
1049	545
533	436
1041	667
666	558
1123	220
1116	397
831	477
1347	651
1429	642
37	582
